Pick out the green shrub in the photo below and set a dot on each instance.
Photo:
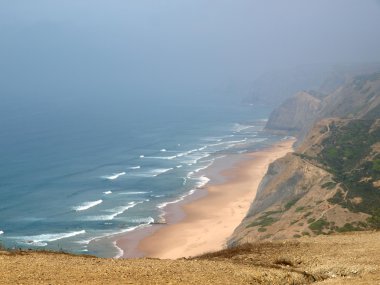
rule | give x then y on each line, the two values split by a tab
263	221
319	225
376	165
300	209
290	204
311	220
356	226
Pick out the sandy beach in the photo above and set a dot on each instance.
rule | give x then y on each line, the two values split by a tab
205	221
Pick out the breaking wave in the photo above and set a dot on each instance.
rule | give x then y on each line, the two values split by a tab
114	176
43	239
88	205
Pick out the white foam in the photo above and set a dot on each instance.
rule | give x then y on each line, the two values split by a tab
203	180
204	167
220	157
135	167
1	232
154	172
85	241
163	205
179	166
259	140
287	138
240	127
142	156
114	212
229	144
162	157
217	144
191	192
120	252
193	159
87	205
163	150
186	152
133	193
148	220
107	192
36	243
41	240
114	176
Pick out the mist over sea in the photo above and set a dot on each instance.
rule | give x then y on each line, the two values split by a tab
68	179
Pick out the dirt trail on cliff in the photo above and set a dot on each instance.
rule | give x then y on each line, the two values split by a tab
337	259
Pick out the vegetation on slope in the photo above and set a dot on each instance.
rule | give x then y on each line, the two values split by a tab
348	153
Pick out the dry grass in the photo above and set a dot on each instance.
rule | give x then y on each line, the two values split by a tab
338	259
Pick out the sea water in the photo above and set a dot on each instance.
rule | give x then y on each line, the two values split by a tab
70	177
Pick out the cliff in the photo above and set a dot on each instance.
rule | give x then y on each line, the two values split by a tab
295	115
331	183
357	98
273	88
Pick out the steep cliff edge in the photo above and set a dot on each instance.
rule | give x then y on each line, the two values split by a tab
331	183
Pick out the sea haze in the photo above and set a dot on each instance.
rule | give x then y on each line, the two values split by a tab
68	178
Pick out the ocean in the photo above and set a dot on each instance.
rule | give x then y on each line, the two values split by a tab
70	175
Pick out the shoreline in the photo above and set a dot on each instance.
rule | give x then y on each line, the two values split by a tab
204	221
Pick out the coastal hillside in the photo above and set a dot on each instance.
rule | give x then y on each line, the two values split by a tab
273	88
352	258
358	97
331	183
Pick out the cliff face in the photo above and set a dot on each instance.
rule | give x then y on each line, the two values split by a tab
295	115
331	183
358	98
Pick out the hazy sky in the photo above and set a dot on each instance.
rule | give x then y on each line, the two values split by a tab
91	49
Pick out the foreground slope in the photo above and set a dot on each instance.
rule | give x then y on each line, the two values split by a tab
336	259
